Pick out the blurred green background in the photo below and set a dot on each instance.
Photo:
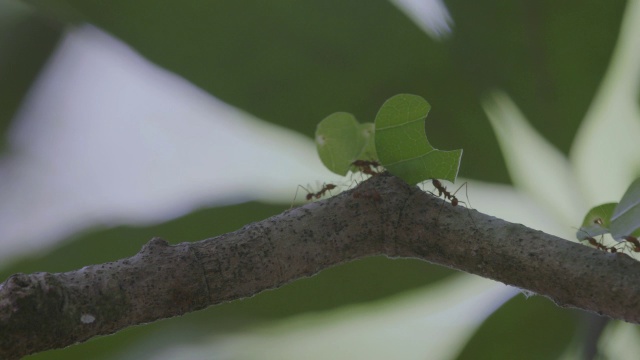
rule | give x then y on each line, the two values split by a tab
292	63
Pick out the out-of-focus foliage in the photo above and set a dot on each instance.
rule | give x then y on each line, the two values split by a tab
515	331
292	63
27	39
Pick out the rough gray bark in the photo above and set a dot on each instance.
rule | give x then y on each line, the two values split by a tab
381	216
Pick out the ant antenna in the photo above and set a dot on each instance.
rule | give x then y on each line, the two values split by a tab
309	195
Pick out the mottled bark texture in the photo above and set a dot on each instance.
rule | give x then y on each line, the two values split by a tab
381	216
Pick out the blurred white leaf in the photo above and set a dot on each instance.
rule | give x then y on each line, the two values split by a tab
605	152
535	166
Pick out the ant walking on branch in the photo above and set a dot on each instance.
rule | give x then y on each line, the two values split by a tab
632	242
368	167
442	191
599	244
325	188
310	194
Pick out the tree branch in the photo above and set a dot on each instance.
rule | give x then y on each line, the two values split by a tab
383	215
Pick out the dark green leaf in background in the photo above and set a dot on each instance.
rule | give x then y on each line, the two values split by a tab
532	328
26	42
289	62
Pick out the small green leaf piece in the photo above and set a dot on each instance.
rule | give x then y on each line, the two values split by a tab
597	221
340	139
625	219
402	145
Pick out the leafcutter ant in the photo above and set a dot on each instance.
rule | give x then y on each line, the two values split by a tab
368	167
325	188
442	191
599	244
310	194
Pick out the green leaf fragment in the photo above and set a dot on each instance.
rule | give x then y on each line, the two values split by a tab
625	219
402	145
597	221
340	140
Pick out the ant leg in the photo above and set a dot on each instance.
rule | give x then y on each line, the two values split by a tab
440	209
633	242
442	190
614	249
466	193
455	201
309	195
422	186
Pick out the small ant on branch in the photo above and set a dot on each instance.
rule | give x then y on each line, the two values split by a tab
447	195
368	167
600	246
325	188
310	194
442	190
629	242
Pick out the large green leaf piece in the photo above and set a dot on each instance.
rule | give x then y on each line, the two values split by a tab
340	140
402	145
625	219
